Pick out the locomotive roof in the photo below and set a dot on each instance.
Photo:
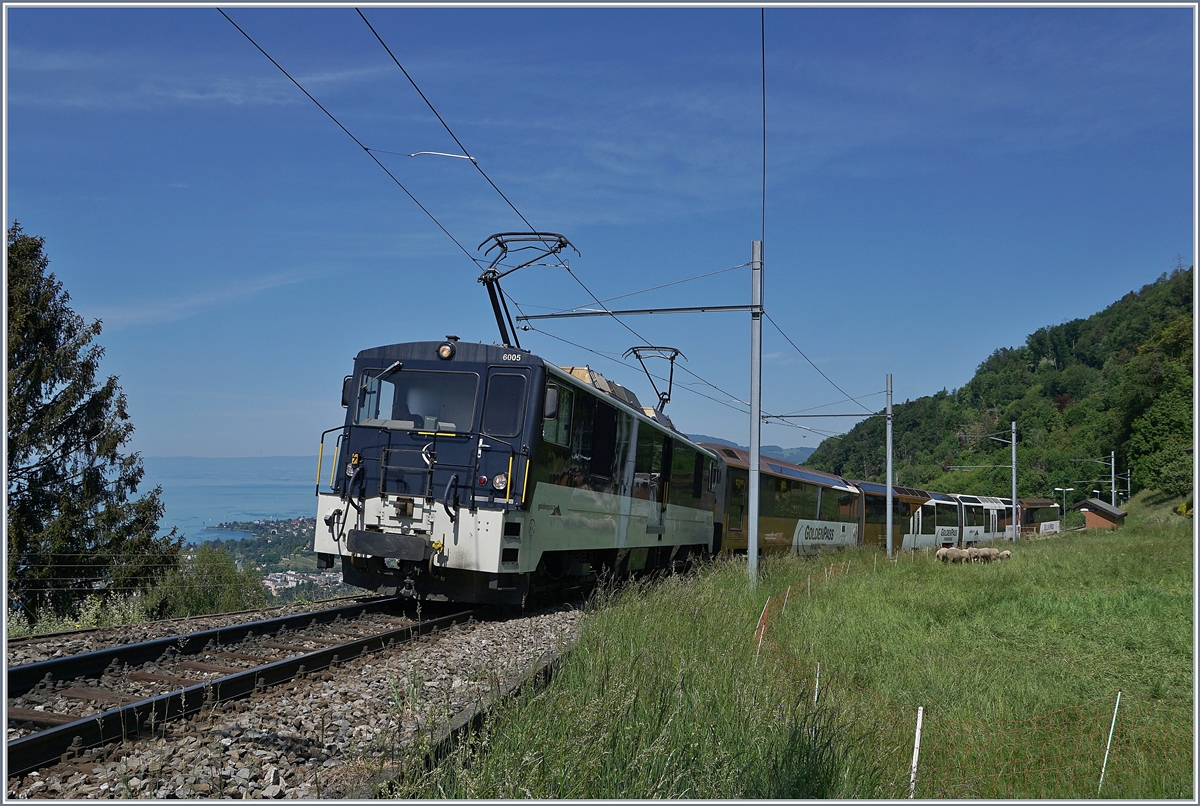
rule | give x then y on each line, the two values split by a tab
464	351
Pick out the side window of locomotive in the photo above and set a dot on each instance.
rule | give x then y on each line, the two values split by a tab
504	408
557	429
604	441
647	467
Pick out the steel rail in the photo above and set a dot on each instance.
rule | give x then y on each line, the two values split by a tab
25	677
50	746
183	620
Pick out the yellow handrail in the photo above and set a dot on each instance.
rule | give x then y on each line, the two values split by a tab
320	456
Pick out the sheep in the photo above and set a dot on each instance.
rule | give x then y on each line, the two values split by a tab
940	555
957	555
972	554
986	555
1004	555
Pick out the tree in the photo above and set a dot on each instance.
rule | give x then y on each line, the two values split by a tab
74	524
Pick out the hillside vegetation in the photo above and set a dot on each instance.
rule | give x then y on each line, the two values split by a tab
1120	380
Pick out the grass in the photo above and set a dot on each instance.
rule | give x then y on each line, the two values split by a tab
1016	664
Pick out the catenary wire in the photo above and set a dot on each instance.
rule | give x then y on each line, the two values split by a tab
366	150
657	287
814	366
763	28
684	387
838	402
443	122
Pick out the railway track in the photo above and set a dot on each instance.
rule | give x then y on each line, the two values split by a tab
63	706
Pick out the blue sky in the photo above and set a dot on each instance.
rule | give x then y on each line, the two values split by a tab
940	183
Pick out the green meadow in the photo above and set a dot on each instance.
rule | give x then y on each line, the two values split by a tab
1016	665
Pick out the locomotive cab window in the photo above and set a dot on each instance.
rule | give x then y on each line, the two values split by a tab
504	407
417	400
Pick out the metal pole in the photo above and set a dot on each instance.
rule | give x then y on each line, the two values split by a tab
1112	466
1016	525
756	308
889	464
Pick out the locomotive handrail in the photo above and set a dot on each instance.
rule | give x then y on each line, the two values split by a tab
452	482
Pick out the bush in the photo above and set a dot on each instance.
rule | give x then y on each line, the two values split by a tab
209	582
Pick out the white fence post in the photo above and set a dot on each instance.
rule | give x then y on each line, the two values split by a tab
912	778
1111	727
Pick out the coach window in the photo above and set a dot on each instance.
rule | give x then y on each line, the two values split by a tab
928	521
947	515
838	506
557	429
737	499
504	409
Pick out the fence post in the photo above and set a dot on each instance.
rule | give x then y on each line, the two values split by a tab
817	687
1111	727
762	628
785	598
912	778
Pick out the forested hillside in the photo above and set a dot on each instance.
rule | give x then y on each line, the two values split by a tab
1120	380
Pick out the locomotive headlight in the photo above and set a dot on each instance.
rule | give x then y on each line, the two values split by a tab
445	350
500	482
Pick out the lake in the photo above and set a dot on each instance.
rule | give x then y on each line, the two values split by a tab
201	492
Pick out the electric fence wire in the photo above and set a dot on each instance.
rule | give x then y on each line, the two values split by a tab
367	151
814	366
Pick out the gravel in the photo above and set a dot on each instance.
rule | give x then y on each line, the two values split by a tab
328	735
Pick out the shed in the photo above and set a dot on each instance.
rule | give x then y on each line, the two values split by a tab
1099	515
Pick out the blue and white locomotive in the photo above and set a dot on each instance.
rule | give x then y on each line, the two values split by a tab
483	473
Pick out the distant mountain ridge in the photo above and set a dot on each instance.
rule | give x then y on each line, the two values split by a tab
794	455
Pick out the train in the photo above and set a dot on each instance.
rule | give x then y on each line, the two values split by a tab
483	473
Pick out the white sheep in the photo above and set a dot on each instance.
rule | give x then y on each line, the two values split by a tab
957	555
986	555
940	555
1004	555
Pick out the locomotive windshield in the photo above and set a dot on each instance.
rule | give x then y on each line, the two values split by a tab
414	399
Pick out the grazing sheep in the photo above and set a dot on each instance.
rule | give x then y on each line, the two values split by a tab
972	554
987	555
1004	555
958	555
940	555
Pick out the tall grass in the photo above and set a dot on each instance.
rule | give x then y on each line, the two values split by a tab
1016	664
661	697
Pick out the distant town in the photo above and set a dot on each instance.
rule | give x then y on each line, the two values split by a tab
283	551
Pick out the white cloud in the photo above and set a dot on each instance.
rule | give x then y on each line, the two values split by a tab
172	309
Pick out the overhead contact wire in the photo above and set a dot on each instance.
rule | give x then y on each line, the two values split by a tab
814	366
352	137
445	125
